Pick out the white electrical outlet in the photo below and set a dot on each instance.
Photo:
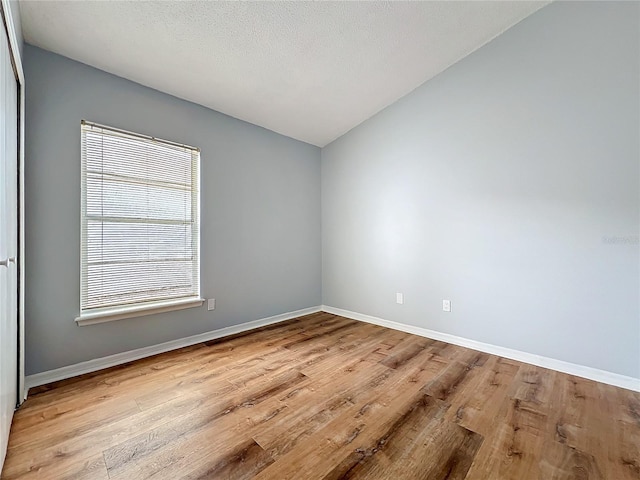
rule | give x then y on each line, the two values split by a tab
211	304
446	305
399	298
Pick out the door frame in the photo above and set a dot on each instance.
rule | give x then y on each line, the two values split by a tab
14	47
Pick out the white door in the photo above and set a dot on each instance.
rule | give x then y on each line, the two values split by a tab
8	242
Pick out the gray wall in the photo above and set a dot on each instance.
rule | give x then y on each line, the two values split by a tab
508	184
260	200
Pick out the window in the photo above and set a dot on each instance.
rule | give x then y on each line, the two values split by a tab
140	225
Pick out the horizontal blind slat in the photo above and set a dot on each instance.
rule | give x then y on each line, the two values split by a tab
140	219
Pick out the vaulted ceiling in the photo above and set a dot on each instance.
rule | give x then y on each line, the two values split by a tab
308	70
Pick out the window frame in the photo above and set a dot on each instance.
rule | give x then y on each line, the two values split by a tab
141	308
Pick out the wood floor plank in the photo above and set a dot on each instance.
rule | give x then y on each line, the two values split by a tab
533	385
403	353
311	409
243	462
100	382
570	421
476	406
421	444
43	452
74	423
214	450
358	390
562	462
90	467
164	437
332	444
323	396
621	432
445	385
514	450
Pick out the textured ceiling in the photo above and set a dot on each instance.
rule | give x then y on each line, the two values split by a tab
308	70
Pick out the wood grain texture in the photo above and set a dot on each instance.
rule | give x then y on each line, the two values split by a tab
325	397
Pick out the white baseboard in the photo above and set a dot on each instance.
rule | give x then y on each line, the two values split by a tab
94	365
603	376
124	357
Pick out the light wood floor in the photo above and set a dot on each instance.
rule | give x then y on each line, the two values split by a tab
326	397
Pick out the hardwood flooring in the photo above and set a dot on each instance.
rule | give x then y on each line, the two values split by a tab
324	397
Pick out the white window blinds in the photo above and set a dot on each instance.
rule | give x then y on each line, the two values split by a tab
140	220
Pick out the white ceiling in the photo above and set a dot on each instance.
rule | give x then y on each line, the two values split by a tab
308	70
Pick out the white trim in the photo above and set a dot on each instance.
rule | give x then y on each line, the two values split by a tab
603	376
22	391
124	357
13	40
89	366
140	136
118	313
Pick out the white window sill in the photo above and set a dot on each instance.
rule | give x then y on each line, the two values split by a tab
118	313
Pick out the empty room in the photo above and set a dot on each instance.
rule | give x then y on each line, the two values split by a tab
320	240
